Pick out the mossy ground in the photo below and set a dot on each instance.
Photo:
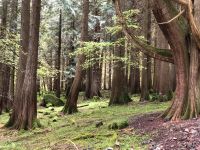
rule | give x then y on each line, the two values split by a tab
79	129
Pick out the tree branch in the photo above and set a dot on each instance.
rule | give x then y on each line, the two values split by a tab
193	25
173	18
160	54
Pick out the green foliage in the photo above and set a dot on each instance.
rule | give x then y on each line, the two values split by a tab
129	18
45	70
9	47
161	97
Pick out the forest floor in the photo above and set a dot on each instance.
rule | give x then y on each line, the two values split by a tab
136	126
182	135
95	126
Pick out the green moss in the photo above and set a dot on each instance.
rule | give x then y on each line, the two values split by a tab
51	100
118	125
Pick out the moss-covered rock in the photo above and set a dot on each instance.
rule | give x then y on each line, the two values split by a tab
51	100
118	125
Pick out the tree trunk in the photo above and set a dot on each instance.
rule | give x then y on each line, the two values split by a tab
175	35
146	61
164	72
25	29
4	89
4	68
144	83
13	29
50	79
93	79
25	110
134	80
71	103
58	59
119	91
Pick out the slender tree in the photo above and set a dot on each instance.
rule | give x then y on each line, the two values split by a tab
72	98
4	68
13	30
58	59
146	61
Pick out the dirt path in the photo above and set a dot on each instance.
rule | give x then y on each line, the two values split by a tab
183	135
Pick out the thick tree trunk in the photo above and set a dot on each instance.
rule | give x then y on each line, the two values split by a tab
25	29
71	103
119	91
25	111
184	102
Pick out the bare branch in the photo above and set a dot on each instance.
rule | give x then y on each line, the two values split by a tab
173	18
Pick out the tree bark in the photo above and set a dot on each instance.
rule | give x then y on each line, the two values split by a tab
173	32
25	111
25	29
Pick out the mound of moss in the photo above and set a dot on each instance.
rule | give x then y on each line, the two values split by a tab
118	125
51	100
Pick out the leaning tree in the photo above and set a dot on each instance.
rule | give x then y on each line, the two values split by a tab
182	33
72	98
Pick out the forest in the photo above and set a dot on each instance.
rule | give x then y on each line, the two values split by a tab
99	74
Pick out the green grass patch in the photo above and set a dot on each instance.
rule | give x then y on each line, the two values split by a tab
80	128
